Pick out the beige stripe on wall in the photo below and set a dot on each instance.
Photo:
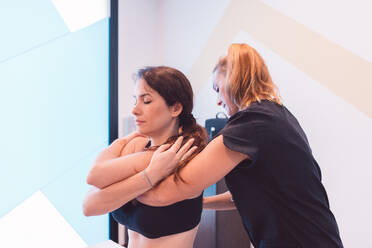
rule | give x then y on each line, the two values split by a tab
344	73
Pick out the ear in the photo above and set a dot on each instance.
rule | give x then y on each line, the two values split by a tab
176	109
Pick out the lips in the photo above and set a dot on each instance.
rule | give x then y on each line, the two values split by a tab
139	122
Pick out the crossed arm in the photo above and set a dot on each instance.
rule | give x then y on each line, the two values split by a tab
125	183
117	180
208	167
115	177
112	165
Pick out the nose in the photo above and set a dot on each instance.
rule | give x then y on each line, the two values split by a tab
136	110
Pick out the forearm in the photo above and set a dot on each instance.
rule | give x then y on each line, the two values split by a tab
106	154
115	170
169	192
208	167
102	201
219	202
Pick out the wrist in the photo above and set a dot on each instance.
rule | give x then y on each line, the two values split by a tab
153	175
147	178
206	202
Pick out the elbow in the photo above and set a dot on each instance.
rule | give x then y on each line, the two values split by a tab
90	203
97	203
87	211
93	178
92	209
90	179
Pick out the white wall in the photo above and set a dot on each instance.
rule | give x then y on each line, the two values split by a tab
138	38
165	32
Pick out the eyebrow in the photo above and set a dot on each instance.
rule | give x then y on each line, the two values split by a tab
143	95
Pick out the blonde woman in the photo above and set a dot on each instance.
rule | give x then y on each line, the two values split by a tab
265	157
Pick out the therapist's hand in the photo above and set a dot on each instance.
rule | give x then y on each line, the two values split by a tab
167	157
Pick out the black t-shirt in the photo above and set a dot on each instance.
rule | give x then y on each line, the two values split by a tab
278	191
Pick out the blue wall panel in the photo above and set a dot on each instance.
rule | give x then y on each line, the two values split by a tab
54	107
27	24
67	192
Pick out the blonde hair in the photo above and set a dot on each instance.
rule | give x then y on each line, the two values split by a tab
247	77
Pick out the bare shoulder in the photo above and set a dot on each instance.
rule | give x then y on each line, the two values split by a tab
140	143
135	145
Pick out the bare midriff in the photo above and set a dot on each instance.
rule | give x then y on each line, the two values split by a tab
179	240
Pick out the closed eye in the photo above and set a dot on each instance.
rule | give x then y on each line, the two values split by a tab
145	98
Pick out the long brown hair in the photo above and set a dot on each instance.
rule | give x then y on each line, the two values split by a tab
248	79
174	87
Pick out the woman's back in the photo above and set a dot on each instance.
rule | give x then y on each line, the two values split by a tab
278	192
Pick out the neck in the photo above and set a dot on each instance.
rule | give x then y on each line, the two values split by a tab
162	136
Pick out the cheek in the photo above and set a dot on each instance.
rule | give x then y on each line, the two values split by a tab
226	99
223	95
157	114
156	110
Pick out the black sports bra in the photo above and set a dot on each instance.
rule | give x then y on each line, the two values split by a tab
155	222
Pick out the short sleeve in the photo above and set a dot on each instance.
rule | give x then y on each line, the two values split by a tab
240	135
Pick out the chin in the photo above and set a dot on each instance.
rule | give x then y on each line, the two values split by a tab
144	131
141	130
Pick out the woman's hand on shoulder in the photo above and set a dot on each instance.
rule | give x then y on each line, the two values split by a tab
168	156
